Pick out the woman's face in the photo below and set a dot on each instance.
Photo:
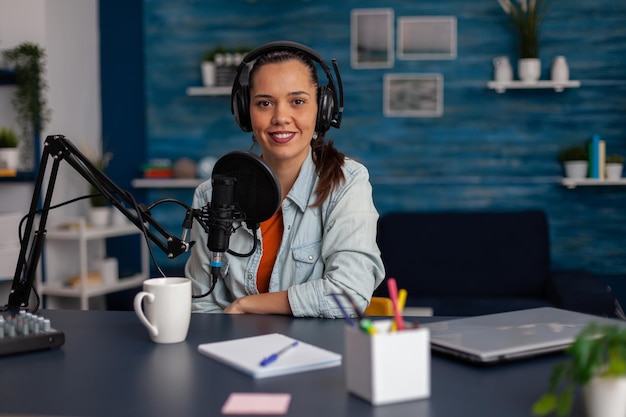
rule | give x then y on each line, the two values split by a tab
283	111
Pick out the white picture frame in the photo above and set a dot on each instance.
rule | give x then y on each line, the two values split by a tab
413	95
433	37
372	38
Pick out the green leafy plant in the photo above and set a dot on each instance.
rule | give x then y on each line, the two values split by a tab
8	138
614	159
210	55
527	17
29	100
574	153
100	162
598	351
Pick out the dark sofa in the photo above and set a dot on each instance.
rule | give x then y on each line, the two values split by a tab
471	263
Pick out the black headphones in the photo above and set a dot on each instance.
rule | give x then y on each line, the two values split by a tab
329	110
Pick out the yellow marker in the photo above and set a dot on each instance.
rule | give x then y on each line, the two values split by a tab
402	294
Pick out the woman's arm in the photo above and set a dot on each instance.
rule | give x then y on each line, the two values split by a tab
267	303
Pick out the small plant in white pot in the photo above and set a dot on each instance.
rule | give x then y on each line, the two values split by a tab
575	160
100	210
614	167
597	365
9	155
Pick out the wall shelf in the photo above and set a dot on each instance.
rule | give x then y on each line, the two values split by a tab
64	240
166	182
501	87
209	91
589	182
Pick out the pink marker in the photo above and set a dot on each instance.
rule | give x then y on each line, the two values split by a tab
393	293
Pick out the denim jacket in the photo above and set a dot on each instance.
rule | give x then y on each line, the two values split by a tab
324	249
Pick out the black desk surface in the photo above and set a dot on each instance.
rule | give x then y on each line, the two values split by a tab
109	367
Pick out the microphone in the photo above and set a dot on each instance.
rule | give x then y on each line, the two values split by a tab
220	219
244	189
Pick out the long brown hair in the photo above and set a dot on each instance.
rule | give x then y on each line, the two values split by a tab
327	159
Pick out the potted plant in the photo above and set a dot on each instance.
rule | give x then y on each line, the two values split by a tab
614	167
527	17
29	100
8	149
575	160
597	365
100	212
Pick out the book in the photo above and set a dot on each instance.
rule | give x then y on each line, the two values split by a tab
602	160
597	156
246	355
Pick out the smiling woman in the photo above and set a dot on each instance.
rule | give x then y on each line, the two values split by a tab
322	239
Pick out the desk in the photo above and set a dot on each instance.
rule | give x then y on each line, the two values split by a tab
109	367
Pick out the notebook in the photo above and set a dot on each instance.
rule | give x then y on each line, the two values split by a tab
246	355
512	335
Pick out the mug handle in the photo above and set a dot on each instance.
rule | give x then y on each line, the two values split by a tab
139	310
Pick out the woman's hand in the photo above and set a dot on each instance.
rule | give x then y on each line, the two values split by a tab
235	307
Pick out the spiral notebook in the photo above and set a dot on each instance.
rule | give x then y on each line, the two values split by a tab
246	355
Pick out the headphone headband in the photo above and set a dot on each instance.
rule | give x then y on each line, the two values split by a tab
330	110
282	46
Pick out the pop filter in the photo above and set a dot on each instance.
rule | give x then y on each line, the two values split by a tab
257	190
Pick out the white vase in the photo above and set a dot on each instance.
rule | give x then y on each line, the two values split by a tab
560	71
529	70
605	397
502	71
614	171
99	216
9	158
208	73
576	169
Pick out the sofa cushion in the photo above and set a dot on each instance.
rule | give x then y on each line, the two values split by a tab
470	254
474	306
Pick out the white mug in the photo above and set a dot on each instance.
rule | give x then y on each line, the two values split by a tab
167	308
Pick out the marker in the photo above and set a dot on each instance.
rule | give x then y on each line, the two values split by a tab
367	326
393	294
275	356
402	294
343	310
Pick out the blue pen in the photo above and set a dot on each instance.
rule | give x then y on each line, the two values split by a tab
343	310
275	356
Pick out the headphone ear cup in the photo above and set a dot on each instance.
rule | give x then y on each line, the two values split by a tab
241	108
325	109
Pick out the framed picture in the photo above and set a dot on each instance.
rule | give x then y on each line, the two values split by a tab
371	38
413	95
427	37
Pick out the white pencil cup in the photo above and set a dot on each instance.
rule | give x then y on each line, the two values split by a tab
387	367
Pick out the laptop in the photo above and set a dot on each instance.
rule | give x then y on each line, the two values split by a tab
500	337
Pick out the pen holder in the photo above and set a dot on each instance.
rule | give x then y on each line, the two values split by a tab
387	367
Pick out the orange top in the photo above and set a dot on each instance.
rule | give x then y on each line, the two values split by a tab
272	232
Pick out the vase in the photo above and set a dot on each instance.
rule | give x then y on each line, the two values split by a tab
99	216
614	171
576	170
9	158
208	73
560	71
502	71
605	397
529	70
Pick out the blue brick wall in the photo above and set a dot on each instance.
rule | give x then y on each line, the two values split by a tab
488	151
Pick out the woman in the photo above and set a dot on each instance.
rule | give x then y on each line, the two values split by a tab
322	239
